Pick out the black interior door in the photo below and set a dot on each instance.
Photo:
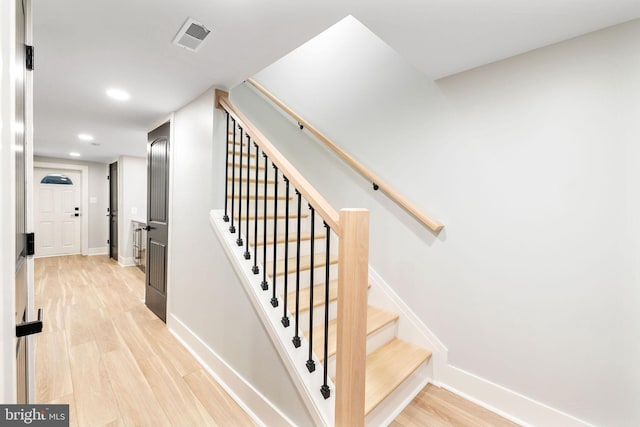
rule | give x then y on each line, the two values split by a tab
21	253
113	210
157	220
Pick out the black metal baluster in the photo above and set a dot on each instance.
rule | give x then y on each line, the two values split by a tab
226	174
285	315
256	269
247	254
296	338
274	298
232	228
239	241
326	392
264	283
311	365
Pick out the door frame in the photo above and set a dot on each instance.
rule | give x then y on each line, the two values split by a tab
8	368
7	219
84	197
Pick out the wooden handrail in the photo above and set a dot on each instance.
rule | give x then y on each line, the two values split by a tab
352	226
311	195
433	224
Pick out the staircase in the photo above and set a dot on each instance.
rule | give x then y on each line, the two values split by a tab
279	237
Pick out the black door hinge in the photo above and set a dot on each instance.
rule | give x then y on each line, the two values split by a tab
29	57
31	243
30	328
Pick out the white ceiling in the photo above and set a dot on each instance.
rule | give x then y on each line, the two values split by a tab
85	46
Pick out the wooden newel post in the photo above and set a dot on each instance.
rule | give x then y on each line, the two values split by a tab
352	317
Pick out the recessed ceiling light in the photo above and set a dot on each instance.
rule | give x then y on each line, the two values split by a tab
118	94
74	154
85	137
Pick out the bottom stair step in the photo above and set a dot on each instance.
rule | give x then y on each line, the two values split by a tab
388	367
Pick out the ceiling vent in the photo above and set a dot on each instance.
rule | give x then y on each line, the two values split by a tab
191	35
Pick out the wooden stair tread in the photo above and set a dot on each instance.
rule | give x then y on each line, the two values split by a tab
388	367
260	197
305	264
244	165
318	296
232	142
376	320
252	154
251	179
269	216
292	237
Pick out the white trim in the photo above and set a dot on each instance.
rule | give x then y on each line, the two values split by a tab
172	139
30	212
98	251
259	408
84	173
513	406
7	205
126	261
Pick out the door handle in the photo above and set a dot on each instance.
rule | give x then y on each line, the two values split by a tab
75	214
148	227
30	328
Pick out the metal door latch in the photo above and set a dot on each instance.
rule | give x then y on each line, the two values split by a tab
30	328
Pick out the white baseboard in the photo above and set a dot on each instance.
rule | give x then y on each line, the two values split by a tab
126	261
98	251
504	402
259	408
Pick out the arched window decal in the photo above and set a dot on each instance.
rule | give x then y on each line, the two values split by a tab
56	178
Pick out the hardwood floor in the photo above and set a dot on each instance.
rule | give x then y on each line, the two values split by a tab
103	352
437	407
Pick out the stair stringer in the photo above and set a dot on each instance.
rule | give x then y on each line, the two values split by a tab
411	329
308	384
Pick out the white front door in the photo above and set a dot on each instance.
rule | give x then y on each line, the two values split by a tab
57	212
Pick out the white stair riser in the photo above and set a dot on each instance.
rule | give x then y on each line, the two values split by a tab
281	208
391	407
293	223
318	315
318	277
374	342
305	249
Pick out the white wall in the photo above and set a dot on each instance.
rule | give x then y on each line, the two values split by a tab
132	203
98	192
7	206
204	292
531	164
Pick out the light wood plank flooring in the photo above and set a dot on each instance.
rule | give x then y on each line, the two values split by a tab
104	353
111	359
437	407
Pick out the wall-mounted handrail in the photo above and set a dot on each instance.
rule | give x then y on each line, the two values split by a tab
433	224
310	194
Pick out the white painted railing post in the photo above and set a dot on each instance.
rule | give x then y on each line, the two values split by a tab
352	317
